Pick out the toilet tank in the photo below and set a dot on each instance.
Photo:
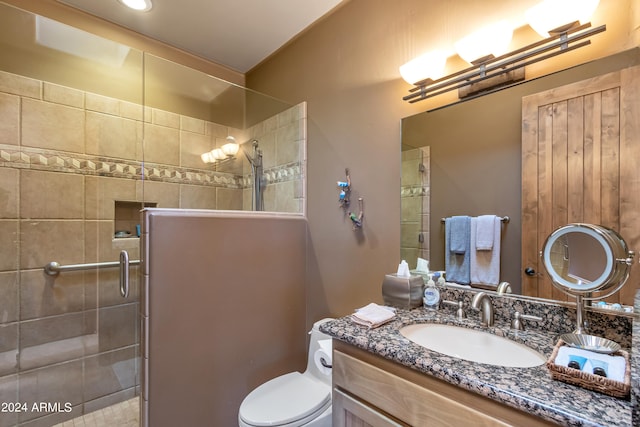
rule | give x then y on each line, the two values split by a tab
315	337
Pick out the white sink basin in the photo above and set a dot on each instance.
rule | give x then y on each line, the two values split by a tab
473	345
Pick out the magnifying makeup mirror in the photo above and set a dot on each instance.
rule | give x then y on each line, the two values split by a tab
584	259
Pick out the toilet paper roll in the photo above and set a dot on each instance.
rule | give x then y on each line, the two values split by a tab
322	357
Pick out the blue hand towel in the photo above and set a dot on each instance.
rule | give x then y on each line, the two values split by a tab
457	265
459	230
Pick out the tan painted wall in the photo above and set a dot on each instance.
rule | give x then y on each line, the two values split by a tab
346	68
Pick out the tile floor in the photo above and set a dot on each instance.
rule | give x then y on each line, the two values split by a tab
123	414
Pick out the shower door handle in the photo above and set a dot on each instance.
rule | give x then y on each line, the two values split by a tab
124	274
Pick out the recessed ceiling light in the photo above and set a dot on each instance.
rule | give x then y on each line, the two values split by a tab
139	5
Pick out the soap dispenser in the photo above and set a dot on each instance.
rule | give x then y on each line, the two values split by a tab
431	295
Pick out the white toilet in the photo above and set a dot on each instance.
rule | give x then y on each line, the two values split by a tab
293	399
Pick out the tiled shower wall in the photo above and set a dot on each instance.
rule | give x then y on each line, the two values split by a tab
66	157
414	201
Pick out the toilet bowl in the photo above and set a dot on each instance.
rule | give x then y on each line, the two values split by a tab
294	399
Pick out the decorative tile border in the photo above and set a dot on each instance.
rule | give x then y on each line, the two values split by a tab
58	161
277	174
413	191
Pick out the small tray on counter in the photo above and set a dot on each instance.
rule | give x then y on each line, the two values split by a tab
590	381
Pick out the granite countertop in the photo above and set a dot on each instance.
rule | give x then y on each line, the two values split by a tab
529	389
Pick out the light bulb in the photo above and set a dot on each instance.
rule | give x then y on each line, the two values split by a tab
218	154
493	40
426	66
207	157
551	14
230	149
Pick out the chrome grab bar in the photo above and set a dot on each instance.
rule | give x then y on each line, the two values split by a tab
54	268
124	274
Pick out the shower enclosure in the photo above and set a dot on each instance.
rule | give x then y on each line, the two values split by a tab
92	131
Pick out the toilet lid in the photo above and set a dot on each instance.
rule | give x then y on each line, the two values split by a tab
284	400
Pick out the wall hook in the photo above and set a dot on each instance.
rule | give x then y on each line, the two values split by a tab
357	220
345	190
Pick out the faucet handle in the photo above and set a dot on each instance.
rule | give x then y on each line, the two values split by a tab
460	313
517	323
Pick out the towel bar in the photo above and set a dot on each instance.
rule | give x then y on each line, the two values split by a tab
504	219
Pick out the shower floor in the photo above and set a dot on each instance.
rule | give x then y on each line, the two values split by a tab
123	414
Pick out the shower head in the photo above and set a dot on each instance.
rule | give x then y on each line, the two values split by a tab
257	153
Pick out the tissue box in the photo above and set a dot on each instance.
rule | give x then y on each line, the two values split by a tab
402	292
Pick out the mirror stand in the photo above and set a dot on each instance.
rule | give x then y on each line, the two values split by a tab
581	325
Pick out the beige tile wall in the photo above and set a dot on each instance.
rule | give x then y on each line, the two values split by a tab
66	157
282	139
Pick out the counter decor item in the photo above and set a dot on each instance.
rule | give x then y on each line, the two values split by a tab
591	381
373	315
402	291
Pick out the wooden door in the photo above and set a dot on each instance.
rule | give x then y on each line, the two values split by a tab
581	163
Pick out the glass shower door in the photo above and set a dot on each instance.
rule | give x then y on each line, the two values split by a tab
71	127
190	114
414	202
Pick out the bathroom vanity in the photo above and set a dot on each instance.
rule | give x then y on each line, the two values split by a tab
381	378
380	392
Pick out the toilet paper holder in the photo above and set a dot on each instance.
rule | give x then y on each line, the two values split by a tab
324	363
322	356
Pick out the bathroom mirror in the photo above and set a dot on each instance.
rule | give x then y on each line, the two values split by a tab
586	258
475	166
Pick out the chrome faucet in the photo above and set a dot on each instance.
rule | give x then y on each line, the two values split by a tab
486	312
504	288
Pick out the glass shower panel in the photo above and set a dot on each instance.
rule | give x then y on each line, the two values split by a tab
414	205
71	132
189	113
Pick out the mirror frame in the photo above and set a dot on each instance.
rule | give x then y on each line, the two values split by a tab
618	260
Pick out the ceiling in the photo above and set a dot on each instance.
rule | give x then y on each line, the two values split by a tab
238	34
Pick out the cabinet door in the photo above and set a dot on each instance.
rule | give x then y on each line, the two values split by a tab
580	148
405	401
349	412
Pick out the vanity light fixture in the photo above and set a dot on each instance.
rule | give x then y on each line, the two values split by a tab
227	152
139	5
491	70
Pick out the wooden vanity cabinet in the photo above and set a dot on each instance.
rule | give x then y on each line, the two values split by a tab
369	390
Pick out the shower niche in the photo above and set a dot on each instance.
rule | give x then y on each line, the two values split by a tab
127	218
